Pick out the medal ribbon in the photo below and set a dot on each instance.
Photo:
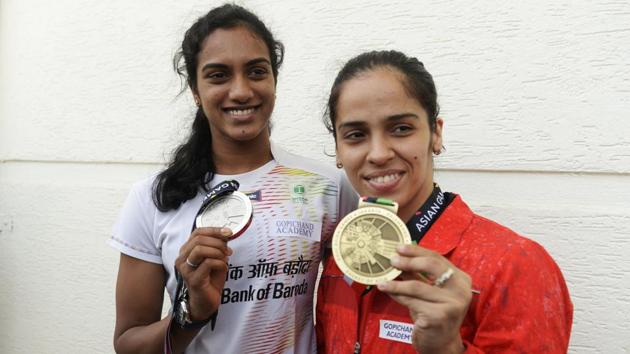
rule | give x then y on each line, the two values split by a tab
423	219
378	200
223	188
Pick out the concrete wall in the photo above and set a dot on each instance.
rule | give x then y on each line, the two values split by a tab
535	96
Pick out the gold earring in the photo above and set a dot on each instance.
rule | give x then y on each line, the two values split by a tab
436	153
339	165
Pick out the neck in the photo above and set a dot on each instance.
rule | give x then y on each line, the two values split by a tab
236	157
405	212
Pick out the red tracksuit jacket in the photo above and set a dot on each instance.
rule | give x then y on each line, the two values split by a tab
523	305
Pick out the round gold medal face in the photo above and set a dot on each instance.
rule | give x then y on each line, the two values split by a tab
365	240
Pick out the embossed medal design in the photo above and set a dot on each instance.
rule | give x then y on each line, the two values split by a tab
366	239
229	208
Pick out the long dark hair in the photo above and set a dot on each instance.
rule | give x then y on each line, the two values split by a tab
417	81
192	165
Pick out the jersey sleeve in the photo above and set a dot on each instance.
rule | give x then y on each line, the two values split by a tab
133	232
527	309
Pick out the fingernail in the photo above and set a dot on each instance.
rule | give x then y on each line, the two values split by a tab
401	248
226	232
395	260
382	286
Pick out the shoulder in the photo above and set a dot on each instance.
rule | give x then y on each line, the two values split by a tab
494	255
143	189
482	237
492	234
305	165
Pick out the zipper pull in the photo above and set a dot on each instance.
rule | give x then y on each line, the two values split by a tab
357	348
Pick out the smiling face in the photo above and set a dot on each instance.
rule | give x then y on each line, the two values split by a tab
235	86
384	140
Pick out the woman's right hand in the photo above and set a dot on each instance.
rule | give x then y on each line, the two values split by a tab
207	249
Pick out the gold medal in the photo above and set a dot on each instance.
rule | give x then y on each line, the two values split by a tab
366	239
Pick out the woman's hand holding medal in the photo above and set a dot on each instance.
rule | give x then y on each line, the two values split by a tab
203	264
372	245
203	259
438	307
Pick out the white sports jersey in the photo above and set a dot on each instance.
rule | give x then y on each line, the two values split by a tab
267	301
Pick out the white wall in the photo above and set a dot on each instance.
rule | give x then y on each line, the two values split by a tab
535	97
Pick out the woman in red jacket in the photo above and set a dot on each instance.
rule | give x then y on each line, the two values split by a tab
488	290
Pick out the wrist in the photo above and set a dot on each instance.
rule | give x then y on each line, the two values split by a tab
184	315
454	347
185	319
198	312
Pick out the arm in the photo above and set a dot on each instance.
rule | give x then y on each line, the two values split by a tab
527	309
139	297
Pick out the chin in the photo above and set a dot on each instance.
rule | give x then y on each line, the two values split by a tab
245	134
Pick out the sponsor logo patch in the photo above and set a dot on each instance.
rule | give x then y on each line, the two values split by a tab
398	331
296	228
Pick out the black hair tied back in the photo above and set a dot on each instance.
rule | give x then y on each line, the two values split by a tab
192	165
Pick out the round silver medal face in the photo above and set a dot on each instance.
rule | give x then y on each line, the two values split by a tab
233	211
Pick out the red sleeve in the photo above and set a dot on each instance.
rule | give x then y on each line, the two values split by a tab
526	308
471	349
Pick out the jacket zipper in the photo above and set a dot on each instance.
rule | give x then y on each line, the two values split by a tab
357	344
357	348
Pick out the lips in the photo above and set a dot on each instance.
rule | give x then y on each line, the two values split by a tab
383	182
240	112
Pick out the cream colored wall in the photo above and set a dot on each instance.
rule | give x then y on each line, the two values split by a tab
535	97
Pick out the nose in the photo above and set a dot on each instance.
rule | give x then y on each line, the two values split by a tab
381	151
241	90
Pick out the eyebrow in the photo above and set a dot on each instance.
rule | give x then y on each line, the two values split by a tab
223	66
388	119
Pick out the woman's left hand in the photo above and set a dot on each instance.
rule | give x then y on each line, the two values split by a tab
437	311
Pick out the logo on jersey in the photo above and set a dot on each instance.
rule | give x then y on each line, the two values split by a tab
297	194
303	229
398	331
255	195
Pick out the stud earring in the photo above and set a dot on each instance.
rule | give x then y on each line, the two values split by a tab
339	165
197	102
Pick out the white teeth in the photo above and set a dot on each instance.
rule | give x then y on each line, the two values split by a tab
384	179
240	112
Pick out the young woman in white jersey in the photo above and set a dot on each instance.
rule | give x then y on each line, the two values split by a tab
252	293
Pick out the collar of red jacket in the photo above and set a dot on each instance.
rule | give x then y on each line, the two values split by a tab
446	233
